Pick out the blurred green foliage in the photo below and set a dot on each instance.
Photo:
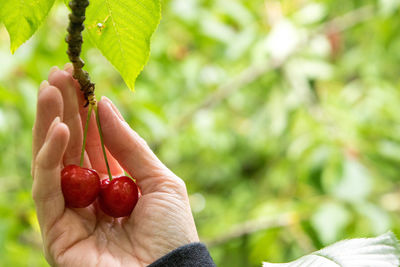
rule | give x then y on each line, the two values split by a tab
281	116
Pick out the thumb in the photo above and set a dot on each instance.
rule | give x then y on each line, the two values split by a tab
46	188
132	151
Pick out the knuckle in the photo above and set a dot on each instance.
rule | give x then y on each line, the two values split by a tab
177	186
180	183
141	141
34	194
32	168
172	185
39	196
42	163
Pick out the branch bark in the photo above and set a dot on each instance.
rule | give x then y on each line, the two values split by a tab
75	40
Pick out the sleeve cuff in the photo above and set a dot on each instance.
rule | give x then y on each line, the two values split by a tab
191	255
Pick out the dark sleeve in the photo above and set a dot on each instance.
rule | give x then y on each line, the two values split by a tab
191	255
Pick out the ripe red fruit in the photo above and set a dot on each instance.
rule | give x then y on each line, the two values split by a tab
118	197
80	186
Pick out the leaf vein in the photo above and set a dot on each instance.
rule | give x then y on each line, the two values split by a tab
116	32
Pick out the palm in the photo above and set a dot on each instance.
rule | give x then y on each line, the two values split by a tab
107	241
161	220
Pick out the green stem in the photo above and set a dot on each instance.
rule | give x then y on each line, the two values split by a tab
101	140
89	114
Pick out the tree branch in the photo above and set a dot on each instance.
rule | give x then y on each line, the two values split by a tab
75	40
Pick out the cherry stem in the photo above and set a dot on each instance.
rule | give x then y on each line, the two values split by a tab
89	114
101	139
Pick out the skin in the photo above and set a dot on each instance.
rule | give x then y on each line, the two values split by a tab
162	219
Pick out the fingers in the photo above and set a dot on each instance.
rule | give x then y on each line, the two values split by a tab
49	106
66	85
132	152
46	189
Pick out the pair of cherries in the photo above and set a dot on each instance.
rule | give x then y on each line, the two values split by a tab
82	186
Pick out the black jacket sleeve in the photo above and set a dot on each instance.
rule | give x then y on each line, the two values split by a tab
191	255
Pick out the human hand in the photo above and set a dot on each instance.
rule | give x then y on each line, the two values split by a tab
161	220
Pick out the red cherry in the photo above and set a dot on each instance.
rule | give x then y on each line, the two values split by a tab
118	197
80	186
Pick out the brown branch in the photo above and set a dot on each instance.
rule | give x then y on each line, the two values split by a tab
75	40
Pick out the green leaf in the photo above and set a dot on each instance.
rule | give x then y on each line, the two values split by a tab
22	18
122	29
383	250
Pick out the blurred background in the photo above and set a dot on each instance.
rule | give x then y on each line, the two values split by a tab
283	118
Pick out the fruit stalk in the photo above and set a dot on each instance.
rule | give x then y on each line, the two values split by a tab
101	140
75	40
89	114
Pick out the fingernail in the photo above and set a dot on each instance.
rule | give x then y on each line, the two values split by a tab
43	85
53	69
52	126
68	67
113	107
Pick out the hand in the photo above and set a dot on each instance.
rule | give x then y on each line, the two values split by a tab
161	220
